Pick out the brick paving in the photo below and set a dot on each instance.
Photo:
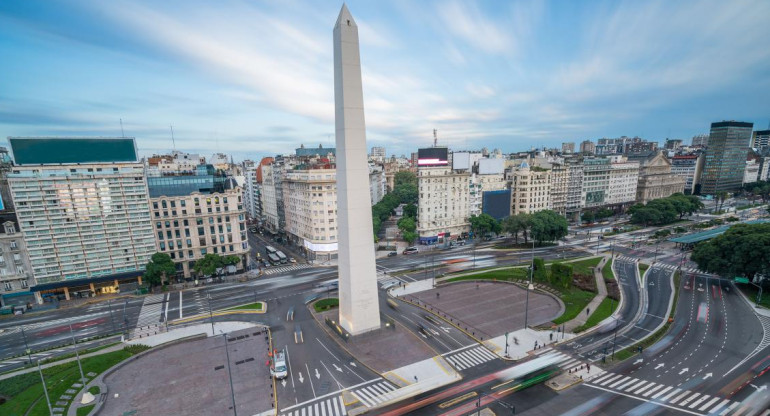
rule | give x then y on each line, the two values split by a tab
490	309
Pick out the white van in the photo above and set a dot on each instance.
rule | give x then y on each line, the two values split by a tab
279	369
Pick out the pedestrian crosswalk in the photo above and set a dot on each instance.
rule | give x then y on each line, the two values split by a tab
283	269
675	267
668	396
150	313
469	358
330	406
374	394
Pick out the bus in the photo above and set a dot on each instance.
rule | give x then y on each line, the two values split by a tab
270	250
273	259
282	257
459	263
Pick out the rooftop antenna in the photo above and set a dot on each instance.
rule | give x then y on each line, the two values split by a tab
121	129
173	142
435	138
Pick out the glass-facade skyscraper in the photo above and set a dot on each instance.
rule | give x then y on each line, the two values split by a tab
725	162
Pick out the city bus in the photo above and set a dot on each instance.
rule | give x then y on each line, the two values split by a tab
273	259
270	250
282	257
459	263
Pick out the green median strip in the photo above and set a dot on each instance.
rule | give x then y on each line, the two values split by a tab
605	310
259	306
643	268
326	304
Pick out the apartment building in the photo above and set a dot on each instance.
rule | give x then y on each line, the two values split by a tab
575	198
623	180
530	189
269	198
444	206
596	177
83	209
377	184
311	210
15	268
688	167
199	214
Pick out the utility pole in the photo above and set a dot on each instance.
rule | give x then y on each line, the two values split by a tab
45	389
26	346
77	354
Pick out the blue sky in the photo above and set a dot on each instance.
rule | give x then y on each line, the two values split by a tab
255	78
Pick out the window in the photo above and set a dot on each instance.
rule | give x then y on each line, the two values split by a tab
211	220
13	245
199	221
187	232
164	204
176	223
155	205
203	251
168	224
162	246
173	204
183	203
186	223
8	286
200	231
189	242
158	225
24	284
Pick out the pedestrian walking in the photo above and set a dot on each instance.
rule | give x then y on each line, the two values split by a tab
436	295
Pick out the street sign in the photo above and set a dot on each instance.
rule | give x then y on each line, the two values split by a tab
741	280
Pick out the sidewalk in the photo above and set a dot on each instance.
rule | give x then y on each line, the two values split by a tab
526	342
188	331
601	293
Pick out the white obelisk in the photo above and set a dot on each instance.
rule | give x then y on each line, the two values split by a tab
359	306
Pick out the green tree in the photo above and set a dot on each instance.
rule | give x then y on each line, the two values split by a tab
645	216
588	216
406	224
404	177
409	236
561	275
208	265
743	250
159	268
548	226
484	223
604	213
410	210
231	260
516	224
721	196
541	273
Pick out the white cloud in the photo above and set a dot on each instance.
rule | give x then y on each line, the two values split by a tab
468	23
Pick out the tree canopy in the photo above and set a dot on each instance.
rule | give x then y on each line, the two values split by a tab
758	189
665	210
208	265
743	250
403	177
484	223
404	192
516	224
159	268
548	226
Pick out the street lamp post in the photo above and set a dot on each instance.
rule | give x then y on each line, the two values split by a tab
77	355
230	373
211	314
529	286
45	389
26	346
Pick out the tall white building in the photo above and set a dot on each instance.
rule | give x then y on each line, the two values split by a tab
378	153
377	183
530	189
443	208
310	197
624	177
269	198
82	205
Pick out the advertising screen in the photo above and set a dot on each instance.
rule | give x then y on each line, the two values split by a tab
433	156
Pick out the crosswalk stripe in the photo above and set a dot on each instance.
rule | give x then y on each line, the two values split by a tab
699	401
729	409
662	392
658	387
379	389
644	388
689	399
363	398
478	356
666	397
487	353
621	380
329	407
470	361
634	386
606	376
740	411
342	405
680	397
611	379
626	384
720	405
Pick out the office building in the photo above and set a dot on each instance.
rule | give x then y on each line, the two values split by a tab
725	158
198	214
688	167
443	208
311	210
623	181
587	147
83	209
700	140
761	139
568	147
530	189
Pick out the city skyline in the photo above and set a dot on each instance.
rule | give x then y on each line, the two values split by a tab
535	75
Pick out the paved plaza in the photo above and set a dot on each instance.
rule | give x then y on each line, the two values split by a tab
191	378
489	309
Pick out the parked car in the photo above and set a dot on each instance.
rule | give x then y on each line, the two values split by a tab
292	260
393	254
411	250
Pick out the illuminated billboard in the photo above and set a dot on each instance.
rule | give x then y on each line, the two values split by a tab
433	156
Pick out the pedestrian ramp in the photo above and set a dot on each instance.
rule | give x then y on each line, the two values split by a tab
667	396
150	317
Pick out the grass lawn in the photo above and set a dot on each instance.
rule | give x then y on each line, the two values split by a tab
643	268
83	411
606	308
575	300
326	304
257	305
751	293
25	391
586	266
607	271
